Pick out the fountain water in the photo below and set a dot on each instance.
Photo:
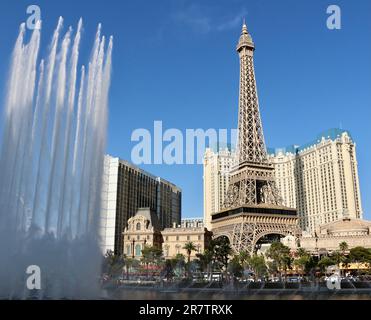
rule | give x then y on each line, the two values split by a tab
51	162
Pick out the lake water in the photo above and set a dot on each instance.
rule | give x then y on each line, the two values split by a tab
152	294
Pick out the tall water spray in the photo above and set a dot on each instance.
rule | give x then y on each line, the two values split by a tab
53	141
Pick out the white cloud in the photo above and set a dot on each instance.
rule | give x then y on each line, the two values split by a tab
194	17
233	22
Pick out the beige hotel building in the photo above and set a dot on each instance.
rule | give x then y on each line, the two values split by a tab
144	229
217	164
319	178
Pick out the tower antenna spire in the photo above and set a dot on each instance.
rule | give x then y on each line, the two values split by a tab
244	27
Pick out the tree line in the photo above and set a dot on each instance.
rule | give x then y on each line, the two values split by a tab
218	257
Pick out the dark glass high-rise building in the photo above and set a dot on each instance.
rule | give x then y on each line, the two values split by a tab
127	188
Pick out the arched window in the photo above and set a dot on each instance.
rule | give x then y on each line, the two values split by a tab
128	251
138	250
138	226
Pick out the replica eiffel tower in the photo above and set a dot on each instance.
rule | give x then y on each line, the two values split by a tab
252	194
252	182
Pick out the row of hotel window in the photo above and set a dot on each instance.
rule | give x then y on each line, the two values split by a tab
138	249
177	238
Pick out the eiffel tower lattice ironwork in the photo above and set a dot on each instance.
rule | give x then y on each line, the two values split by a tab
252	182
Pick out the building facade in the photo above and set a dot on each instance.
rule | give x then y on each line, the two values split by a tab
175	238
144	229
355	232
216	167
320	179
127	188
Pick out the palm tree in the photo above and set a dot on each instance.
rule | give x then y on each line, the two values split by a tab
301	252
129	262
205	262
189	247
258	265
280	254
343	246
244	256
303	260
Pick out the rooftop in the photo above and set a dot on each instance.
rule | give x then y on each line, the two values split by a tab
143	172
347	225
331	134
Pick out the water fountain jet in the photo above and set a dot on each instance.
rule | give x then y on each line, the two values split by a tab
51	161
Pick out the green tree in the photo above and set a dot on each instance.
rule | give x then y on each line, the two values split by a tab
340	257
204	261
189	247
337	257
151	255
325	262
343	246
304	261
221	252
301	252
113	264
129	263
280	254
168	270
258	265
235	268
360	255
178	263
244	257
273	268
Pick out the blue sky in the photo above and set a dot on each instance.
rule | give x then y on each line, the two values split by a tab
175	61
